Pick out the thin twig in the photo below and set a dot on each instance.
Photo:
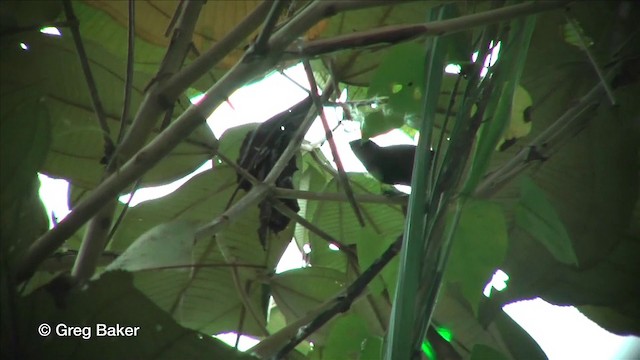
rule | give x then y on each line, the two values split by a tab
282	208
210	58
126	208
342	175
128	82
342	302
283	193
88	75
555	134
592	60
260	46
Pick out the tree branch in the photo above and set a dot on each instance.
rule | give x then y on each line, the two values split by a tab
342	175
343	301
549	140
260	46
192	72
281	207
88	75
400	33
128	83
283	193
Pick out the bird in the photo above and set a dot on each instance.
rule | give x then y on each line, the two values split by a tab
392	165
259	152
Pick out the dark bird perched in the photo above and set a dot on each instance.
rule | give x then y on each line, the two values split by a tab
391	164
260	150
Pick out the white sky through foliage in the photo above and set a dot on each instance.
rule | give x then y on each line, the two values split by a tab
562	332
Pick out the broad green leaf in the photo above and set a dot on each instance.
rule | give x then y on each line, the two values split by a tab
455	314
383	224
519	122
400	78
25	137
203	294
50	65
611	320
574	34
199	200
379	122
277	321
479	246
231	140
499	109
106	22
166	245
20	14
110	300
357	66
299	291
371	348
346	338
591	180
516	339
484	352
312	179
537	216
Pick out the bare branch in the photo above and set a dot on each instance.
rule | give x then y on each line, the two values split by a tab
342	175
88	75
400	33
592	60
128	82
281	207
550	139
343	301
260	46
192	72
331	196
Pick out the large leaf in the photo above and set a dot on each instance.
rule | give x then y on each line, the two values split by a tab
51	66
166	245
300	291
356	66
383	224
400	80
479	246
106	22
18	15
206	293
112	300
537	216
591	182
25	137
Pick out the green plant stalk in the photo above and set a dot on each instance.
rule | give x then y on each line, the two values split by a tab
441	263
508	80
401	326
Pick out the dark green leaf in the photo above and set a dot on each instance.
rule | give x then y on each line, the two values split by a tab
112	300
536	215
479	246
166	245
